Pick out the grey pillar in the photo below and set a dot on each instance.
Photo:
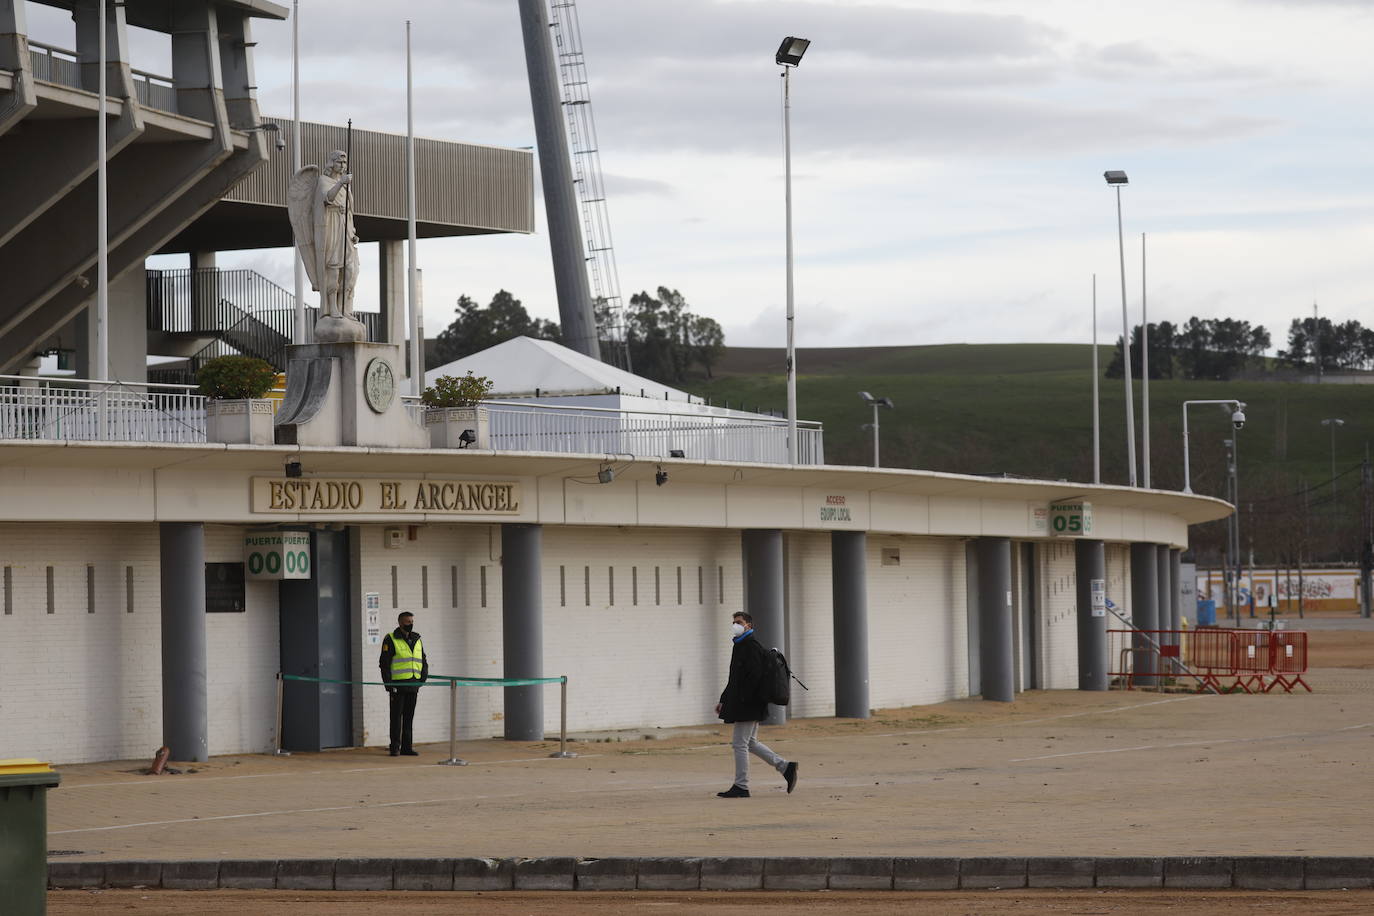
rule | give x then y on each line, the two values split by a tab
1162	604
1090	565
184	706
763	591
391	287
1144	608
994	619
1175	589
555	170
849	588
522	629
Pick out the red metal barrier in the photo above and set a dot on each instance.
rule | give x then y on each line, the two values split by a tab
1255	661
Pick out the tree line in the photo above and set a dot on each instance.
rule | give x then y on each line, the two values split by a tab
666	340
1218	349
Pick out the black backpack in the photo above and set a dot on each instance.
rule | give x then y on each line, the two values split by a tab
775	685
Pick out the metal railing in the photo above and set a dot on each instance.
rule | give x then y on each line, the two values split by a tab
85	410
524	427
55	65
244	311
59	65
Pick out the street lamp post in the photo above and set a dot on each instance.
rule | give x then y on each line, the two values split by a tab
875	403
1116	179
1333	422
1237	420
789	55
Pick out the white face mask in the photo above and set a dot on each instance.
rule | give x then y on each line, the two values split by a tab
736	629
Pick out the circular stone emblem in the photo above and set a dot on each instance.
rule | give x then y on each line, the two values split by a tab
379	385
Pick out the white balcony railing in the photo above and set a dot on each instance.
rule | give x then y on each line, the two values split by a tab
99	411
86	410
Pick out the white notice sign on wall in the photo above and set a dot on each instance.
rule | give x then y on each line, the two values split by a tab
1099	596
372	604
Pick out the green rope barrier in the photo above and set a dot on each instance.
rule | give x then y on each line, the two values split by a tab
439	680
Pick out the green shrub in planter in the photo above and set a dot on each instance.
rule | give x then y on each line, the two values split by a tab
450	391
227	378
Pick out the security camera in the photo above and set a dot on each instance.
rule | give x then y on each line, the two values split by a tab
1238	418
280	144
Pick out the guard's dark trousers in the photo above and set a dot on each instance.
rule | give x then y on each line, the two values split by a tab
402	717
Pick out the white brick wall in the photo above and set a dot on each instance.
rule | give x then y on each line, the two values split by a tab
93	688
917	622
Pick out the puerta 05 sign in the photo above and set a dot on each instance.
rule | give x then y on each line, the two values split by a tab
277	555
1071	518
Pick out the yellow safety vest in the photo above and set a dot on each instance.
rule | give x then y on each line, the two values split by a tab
406	663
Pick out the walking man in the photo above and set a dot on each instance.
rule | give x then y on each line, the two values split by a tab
404	668
742	703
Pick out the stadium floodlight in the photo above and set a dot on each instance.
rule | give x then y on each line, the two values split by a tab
791	50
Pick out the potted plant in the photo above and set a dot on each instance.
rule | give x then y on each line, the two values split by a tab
454	413
238	411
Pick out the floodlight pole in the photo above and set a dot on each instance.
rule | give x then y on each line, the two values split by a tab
791	339
1144	376
1097	431
1126	344
417	318
102	289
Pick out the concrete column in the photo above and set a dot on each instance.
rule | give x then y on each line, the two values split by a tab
560	201
236	71
185	714
128	333
1163	612
522	629
86	15
196	70
1175	589
1090	565
763	595
205	291
849	587
1144	608
996	658
391	288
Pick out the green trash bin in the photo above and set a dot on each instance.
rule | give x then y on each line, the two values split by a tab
24	786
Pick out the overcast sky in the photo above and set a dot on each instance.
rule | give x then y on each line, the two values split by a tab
947	155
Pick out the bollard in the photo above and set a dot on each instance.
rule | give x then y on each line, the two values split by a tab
453	759
563	720
281	686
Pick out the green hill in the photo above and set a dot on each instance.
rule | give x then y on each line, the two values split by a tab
1025	409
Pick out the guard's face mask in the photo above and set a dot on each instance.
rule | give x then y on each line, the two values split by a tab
736	629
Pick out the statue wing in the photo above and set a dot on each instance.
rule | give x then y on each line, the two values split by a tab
300	205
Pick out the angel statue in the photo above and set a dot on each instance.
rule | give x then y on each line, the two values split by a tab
320	206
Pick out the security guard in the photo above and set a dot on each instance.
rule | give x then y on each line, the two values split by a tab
404	668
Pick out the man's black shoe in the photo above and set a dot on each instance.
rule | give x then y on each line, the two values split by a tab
393	752
789	773
733	792
409	753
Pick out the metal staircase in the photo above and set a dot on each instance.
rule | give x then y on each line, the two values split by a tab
575	95
240	312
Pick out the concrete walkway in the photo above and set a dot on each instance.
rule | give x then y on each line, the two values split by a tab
1064	774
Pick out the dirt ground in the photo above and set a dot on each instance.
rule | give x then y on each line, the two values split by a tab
737	903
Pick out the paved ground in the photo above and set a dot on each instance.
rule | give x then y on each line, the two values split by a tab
735	903
1061	773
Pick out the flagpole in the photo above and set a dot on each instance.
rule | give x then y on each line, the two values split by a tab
417	331
102	289
299	336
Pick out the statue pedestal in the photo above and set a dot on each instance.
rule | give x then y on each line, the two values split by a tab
346	393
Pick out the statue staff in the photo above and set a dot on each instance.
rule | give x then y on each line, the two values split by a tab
346	306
